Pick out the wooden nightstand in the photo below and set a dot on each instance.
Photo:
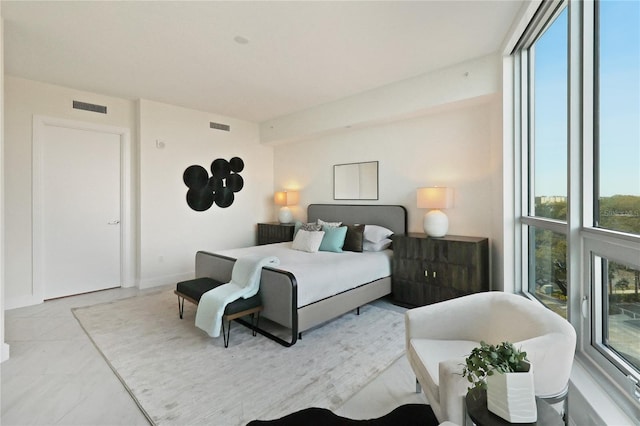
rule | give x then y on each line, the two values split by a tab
274	232
428	270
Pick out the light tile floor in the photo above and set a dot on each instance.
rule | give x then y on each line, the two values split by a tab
55	376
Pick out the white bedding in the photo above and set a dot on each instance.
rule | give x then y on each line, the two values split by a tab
322	274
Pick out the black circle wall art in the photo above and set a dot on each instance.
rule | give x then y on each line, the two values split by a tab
219	188
236	164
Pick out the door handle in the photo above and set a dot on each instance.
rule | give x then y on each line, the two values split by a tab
113	222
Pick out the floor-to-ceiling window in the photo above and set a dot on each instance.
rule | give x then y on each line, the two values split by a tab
545	207
577	68
612	254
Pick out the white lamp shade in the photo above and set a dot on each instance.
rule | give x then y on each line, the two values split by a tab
286	198
435	197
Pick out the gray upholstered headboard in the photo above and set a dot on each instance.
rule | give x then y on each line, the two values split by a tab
392	217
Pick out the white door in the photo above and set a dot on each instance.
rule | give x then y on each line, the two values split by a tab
80	216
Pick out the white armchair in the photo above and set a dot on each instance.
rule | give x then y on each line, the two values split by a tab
440	336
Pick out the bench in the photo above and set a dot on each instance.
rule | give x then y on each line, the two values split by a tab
192	290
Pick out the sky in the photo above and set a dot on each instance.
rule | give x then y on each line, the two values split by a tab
619	73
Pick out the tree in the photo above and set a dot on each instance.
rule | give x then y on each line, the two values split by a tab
620	213
551	259
622	284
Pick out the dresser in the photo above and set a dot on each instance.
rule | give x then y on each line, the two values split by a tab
428	270
274	232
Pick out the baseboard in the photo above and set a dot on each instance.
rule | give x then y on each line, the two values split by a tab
5	352
24	301
145	283
21	302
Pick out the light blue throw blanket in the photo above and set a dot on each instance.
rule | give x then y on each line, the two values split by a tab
245	282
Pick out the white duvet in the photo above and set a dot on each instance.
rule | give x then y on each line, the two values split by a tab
322	274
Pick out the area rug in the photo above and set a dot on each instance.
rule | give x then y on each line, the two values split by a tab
179	375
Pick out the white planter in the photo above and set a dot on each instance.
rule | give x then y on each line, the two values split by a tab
512	396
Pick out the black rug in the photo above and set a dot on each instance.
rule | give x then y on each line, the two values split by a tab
405	415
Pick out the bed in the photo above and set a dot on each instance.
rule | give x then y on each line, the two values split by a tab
295	308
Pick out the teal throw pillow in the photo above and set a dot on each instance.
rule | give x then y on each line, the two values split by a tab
333	239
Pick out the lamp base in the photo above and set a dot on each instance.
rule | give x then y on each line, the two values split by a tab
285	215
436	223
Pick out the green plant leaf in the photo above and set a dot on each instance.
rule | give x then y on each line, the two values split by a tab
486	359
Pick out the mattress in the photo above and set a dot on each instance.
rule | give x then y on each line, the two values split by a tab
322	274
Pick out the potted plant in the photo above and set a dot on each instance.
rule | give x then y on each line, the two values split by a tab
506	374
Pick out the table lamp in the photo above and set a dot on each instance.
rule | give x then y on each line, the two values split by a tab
285	199
436	223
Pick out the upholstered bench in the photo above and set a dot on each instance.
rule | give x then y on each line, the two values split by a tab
192	290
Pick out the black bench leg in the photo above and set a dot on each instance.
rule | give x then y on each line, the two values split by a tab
180	307
257	317
225	336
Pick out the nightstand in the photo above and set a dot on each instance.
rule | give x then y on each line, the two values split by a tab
274	232
428	270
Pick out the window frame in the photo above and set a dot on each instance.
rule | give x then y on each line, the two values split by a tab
584	238
594	351
547	14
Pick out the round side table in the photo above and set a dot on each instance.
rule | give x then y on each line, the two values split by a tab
477	411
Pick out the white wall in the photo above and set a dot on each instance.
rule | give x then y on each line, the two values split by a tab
453	142
396	101
23	99
501	177
170	232
440	128
449	148
4	349
167	231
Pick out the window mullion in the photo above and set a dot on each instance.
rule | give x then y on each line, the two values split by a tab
589	114
543	223
574	161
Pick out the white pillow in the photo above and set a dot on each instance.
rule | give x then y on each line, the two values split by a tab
369	246
329	224
375	233
308	241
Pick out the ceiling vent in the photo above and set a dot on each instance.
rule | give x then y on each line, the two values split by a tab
90	107
220	126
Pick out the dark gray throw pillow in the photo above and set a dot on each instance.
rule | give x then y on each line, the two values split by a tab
311	227
354	238
306	226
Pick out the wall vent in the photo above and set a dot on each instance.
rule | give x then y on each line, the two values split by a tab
90	107
220	126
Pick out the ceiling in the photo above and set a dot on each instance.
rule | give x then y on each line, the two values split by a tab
253	60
